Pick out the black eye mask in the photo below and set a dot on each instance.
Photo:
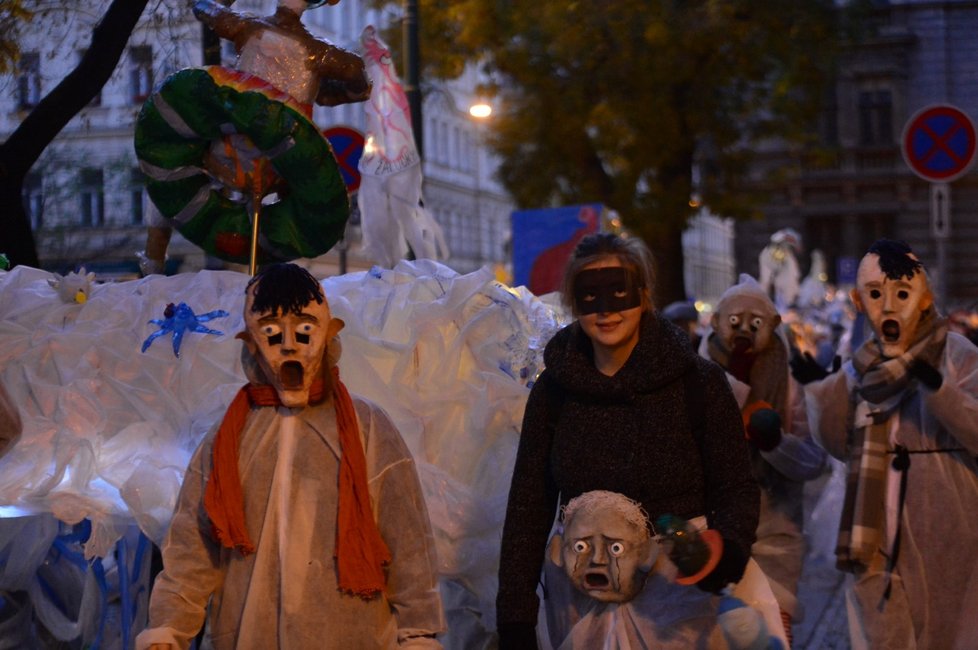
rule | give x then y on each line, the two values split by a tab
605	290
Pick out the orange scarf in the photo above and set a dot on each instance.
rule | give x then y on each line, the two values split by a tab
361	553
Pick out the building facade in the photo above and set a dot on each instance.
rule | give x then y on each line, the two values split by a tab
86	198
919	53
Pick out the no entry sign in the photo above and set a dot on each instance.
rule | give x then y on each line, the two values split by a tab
939	143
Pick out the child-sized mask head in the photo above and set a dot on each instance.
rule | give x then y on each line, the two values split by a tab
288	328
745	317
892	290
606	548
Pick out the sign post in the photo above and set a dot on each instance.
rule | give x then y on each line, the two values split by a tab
939	146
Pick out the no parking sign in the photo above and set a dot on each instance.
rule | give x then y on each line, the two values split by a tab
347	146
939	143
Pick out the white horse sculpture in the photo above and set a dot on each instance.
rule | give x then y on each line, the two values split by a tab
391	211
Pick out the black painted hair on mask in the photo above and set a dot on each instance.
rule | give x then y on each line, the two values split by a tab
895	259
284	287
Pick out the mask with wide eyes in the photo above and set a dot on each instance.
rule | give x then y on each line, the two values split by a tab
734	320
303	332
580	546
272	332
616	549
757	323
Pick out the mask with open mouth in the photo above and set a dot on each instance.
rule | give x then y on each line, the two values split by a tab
288	329
892	290
745	318
605	548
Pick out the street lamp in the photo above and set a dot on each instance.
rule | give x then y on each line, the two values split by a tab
480	110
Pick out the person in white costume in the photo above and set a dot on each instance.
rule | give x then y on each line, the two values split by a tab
745	340
301	522
903	415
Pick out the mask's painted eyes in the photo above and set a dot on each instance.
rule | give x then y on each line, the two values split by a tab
306	328
580	546
617	548
875	294
903	294
757	322
270	329
734	320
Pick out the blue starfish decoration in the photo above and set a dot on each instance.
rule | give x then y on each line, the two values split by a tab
179	319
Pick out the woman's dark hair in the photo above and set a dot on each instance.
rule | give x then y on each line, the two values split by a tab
284	287
630	251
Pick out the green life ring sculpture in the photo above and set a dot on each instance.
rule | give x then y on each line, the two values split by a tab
213	141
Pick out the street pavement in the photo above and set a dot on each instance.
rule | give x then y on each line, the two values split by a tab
821	590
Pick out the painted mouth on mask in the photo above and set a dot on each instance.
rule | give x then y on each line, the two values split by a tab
742	343
596	580
890	330
291	374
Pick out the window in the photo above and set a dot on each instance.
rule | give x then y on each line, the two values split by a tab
92	197
875	117
29	80
137	196
34	200
140	73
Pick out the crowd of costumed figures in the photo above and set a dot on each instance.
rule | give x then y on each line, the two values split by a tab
126	426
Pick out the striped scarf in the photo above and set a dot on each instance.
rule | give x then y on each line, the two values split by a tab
885	383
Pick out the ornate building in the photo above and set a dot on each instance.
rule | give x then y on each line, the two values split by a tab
918	53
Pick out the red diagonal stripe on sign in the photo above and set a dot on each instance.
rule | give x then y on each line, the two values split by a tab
940	142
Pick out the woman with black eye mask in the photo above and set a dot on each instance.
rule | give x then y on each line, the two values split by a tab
624	405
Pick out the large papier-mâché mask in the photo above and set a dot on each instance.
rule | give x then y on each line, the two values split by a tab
606	554
745	323
290	346
893	305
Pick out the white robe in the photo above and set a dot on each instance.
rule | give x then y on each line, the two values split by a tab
935	584
285	594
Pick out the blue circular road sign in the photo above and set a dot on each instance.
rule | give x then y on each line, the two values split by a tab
347	146
939	143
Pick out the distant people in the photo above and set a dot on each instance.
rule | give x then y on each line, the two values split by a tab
903	415
683	315
624	405
780	275
746	341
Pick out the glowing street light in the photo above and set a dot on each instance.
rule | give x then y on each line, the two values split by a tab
480	110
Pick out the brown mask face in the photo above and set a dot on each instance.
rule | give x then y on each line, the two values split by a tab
893	305
606	556
745	323
290	347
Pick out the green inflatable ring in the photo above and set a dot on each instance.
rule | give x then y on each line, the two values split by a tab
201	110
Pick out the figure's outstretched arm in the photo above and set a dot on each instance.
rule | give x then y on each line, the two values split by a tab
226	23
342	75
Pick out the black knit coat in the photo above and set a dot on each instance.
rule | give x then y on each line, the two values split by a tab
665	430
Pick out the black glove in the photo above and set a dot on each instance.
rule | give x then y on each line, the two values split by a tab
926	374
805	369
517	636
729	569
764	429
